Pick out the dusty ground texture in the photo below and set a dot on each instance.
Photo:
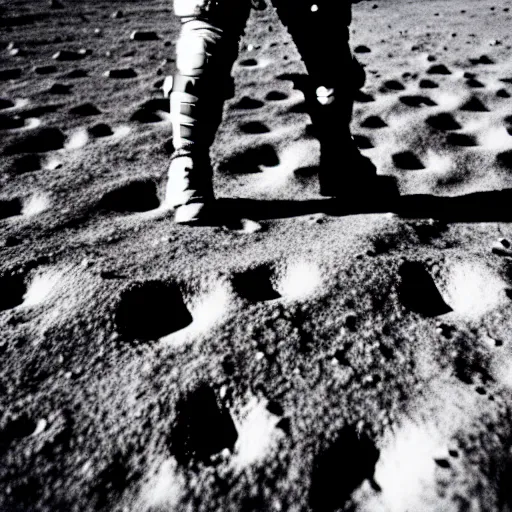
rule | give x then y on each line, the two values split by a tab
302	355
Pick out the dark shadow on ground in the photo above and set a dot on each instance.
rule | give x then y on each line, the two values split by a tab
380	197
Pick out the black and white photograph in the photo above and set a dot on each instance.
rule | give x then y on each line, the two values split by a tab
255	256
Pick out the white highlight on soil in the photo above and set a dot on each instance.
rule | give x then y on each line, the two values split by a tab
405	470
41	287
300	280
257	434
35	205
472	289
440	164
121	131
206	310
78	139
496	137
164	489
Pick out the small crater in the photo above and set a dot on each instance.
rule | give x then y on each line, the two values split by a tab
428	84
417	101
254	128
443	463
38	141
136	196
256	285
250	160
341	469
502	93
248	63
100	130
151	310
362	142
373	122
408	161
202	427
144	35
443	121
247	103
418	292
12	290
276	96
85	109
474	104
438	69
461	139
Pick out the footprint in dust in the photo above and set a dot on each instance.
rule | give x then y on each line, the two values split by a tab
15	430
443	121
461	139
428	84
249	161
276	96
254	128
10	208
135	196
40	140
247	103
151	310
202	427
256	284
373	122
417	101
340	469
12	291
408	161
248	63
418	292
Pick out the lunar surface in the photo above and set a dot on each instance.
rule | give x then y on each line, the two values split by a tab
296	354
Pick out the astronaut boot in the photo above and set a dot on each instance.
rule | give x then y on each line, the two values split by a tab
189	189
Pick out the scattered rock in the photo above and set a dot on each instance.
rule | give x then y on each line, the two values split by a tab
428	84
483	59
393	85
502	93
474	104
417	101
117	15
144	35
362	49
502	247
461	139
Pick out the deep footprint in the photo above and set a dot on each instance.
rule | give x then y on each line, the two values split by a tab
151	310
250	160
136	196
202	427
12	290
254	128
10	208
443	121
341	469
256	284
418	292
408	161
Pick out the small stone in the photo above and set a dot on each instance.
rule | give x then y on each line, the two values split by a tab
259	356
100	130
438	69
117	15
59	88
